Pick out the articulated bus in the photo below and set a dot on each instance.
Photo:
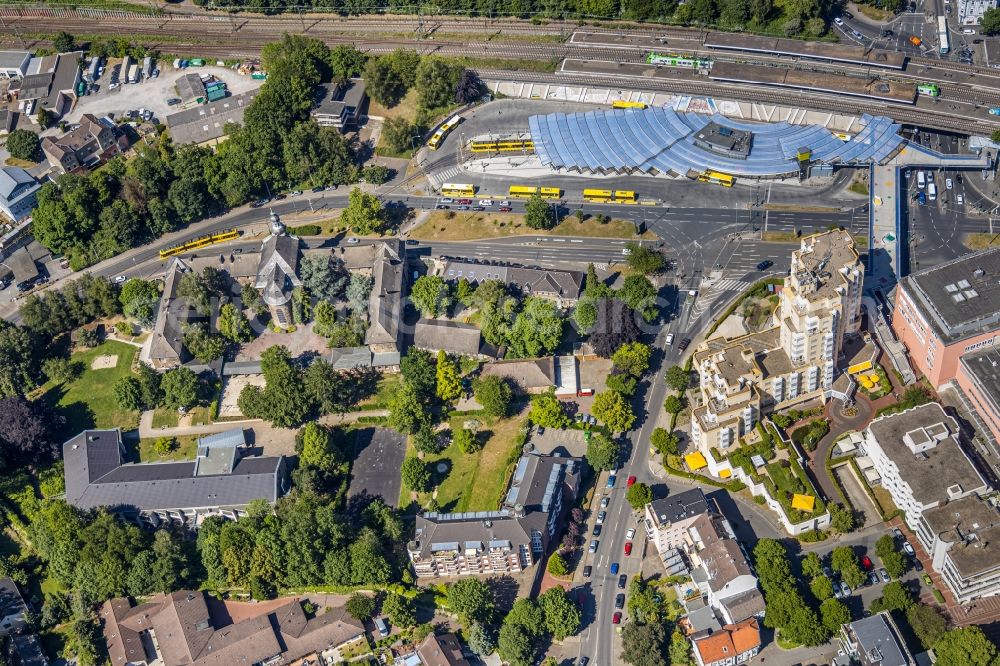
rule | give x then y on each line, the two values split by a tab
624	196
502	145
526	192
457	190
928	89
623	104
435	141
715	177
202	241
607	196
674	60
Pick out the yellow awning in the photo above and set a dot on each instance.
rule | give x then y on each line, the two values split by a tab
695	461
860	367
725	474
803	502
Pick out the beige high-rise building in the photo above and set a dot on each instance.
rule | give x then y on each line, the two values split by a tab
790	363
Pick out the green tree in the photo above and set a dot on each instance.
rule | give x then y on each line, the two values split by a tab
416	475
377	174
473	600
419	371
680	649
406	63
665	443
841	518
895	596
407	413
323	275
63	42
149	383
538	213
632	358
128	393
383	82
23	145
821	588
399	134
812	566
639	294
562	616
364	213
284	401
139	299
318	449
466	440
602	453
493	394
990	21
180	388
834	614
892	559
844	560
430	295
435	82
614	410
60	369
644	644
678	378
557	565
347	62
233	324
480	640
642	259
673	404
203	344
927	623
516	645
400	610
547	411
164	445
537	329
360	606
967	646
449	386
638	495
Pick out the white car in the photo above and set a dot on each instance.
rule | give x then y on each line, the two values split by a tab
948	184
593	546
961	200
838	21
630	534
486	202
120	279
670	339
605	501
909	549
351	241
446	200
504	203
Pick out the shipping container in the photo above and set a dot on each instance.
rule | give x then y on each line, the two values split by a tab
196	62
216	94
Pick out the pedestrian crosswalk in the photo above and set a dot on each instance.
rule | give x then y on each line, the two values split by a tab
727	284
437	178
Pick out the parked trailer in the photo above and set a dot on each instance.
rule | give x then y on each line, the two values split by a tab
133	73
147	67
123	73
95	65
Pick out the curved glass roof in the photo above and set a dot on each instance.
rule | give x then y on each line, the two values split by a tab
662	140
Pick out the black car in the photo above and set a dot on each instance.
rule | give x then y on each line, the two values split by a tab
584	661
279	197
621	581
764	265
412	242
442	206
587	570
620	601
318	188
258	204
684	344
597	530
173	101
478	208
917	565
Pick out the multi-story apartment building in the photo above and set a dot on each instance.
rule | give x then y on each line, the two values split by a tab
978	378
918	457
874	641
668	518
505	541
962	538
949	310
792	362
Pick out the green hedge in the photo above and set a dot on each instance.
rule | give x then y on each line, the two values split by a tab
305	230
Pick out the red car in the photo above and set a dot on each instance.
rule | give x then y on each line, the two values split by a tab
616	618
628	547
866	563
464	201
631	480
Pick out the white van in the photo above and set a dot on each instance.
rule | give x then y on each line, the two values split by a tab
921	180
931	191
968	31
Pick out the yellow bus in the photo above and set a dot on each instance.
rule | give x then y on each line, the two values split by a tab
201	241
526	192
457	190
503	145
624	196
715	177
623	104
435	141
598	196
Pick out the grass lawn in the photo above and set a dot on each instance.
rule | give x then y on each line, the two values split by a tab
780	236
980	241
474	481
165	417
387	384
88	401
406	109
859	187
24	164
784	479
464	225
185	448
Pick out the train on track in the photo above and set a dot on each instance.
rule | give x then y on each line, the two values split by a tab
200	242
678	61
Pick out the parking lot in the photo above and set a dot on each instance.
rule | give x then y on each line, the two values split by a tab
150	93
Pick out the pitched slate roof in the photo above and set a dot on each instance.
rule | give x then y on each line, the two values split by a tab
451	336
97	475
14	181
441	650
166	341
529	374
566	284
385	305
277	272
11	601
29	650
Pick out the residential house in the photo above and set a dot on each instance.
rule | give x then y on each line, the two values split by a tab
51	83
562	286
441	650
185	628
667	518
221	480
875	641
277	273
451	336
339	105
530	375
978	379
509	540
12	608
8	121
18	193
733	644
165	349
14	64
947	310
205	124
87	146
791	363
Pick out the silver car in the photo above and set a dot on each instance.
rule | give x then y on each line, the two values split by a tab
844	589
593	546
